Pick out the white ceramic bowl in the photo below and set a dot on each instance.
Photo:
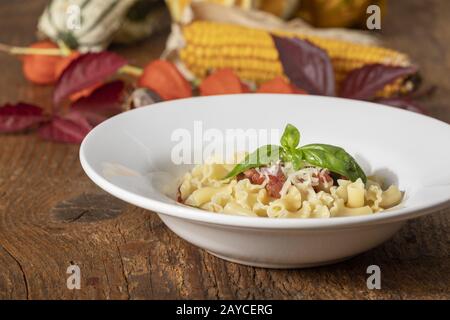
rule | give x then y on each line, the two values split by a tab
129	156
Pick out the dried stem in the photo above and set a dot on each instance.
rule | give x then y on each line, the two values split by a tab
25	50
131	70
64	48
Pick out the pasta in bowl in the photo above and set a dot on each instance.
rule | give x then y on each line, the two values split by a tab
292	183
130	155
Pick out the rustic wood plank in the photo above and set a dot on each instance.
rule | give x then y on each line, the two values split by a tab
127	252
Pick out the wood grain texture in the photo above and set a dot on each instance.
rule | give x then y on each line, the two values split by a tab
50	217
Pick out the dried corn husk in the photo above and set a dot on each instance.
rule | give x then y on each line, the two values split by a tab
281	8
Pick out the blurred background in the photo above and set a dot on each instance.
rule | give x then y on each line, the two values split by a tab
414	28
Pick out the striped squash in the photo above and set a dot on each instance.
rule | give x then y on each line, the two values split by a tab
87	25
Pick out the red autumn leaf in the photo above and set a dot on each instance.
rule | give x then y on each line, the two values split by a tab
18	117
72	128
306	65
85	71
403	103
363	83
102	103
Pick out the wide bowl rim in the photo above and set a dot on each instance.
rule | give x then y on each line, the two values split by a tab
202	216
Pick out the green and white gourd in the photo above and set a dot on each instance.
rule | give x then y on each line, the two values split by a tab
91	25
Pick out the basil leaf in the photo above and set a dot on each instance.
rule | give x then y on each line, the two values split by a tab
290	138
334	159
285	155
262	156
297	159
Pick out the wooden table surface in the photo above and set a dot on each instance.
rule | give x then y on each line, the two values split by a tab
52	215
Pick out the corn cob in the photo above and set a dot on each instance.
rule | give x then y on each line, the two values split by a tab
252	54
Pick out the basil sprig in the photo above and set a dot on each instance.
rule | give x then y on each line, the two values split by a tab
327	156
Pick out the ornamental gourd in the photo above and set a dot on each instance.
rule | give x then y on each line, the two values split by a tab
86	25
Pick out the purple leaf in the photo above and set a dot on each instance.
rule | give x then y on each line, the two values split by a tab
403	103
71	128
18	117
307	66
85	71
363	83
102	103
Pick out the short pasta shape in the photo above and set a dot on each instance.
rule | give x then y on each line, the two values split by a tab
310	192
